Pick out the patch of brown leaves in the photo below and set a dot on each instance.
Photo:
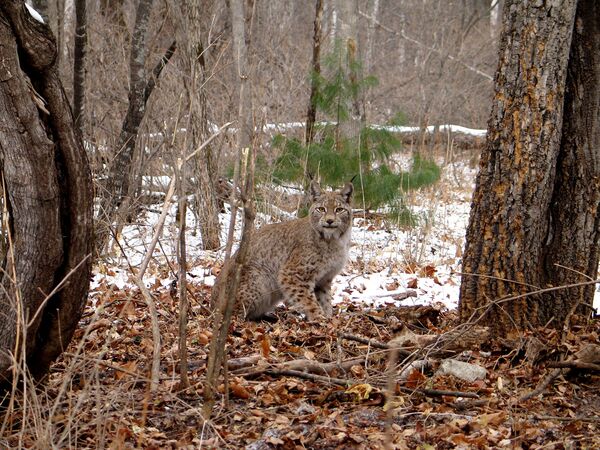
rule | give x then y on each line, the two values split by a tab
293	384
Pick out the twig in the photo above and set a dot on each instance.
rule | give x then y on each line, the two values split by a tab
349	382
575	365
568	419
156	338
543	385
310	376
439	393
109	365
374	343
182	280
305	365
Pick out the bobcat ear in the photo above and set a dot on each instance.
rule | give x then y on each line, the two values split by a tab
315	190
346	191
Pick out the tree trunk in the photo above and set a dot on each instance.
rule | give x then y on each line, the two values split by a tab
116	194
225	298
79	62
311	115
206	205
347	39
48	194
514	213
572	253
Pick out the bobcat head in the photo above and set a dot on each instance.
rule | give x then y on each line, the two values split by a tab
330	212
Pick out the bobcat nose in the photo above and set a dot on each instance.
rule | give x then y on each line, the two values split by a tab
329	221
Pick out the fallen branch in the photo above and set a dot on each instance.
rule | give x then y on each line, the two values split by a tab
310	376
438	393
374	343
587	356
575	365
307	366
350	382
568	419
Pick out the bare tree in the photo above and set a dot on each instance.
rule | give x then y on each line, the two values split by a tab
207	207
311	115
534	220
224	304
47	196
116	195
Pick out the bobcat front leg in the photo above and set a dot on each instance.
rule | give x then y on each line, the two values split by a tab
299	289
323	293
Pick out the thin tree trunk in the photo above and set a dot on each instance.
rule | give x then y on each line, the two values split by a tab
311	115
347	37
218	349
182	277
572	253
79	62
206	205
373	19
509	223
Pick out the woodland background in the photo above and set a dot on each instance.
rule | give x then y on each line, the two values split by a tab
288	385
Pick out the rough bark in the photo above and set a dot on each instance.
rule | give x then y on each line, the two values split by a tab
510	222
79	61
48	195
573	249
347	37
311	115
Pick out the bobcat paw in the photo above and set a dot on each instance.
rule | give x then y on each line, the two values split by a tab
318	317
327	310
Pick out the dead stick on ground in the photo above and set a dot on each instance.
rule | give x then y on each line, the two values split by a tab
156	338
374	343
303	365
350	382
439	393
575	365
543	385
311	376
568	419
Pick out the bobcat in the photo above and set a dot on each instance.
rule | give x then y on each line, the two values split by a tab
295	261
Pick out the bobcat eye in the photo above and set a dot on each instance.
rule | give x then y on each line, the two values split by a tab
340	210
320	209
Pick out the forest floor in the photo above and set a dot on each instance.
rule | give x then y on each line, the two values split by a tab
375	376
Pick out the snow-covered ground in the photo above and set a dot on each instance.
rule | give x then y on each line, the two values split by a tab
409	266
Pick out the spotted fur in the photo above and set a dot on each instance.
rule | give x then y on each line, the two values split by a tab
296	261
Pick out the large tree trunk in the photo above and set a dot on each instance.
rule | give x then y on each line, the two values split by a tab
573	249
509	217
48	195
